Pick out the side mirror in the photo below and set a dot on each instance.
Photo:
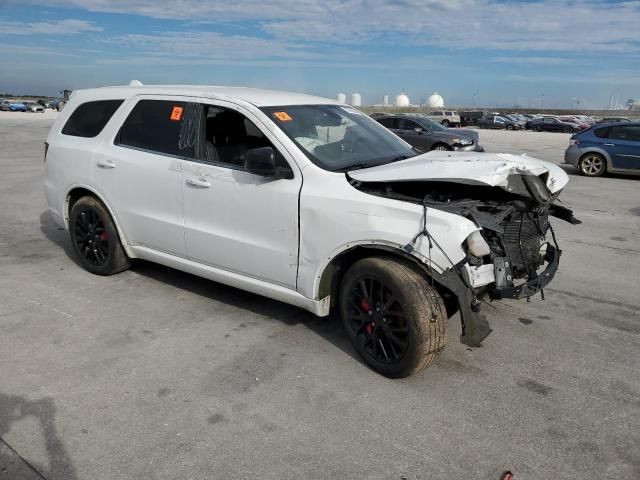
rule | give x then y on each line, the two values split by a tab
262	161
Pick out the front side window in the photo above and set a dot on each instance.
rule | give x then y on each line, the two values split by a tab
90	118
389	122
163	126
228	136
338	138
409	125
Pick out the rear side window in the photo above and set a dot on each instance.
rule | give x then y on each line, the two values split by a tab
601	132
89	118
162	126
389	122
630	133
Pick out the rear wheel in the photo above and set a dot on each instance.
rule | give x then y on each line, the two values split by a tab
568	130
445	123
509	127
95	238
592	165
395	319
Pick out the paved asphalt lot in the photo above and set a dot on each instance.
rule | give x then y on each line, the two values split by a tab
156	374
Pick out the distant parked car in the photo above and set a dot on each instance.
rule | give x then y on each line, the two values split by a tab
444	117
499	122
425	135
613	120
552	124
13	106
606	148
581	123
471	117
34	107
44	103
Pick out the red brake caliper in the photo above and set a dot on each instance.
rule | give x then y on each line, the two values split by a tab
104	236
364	305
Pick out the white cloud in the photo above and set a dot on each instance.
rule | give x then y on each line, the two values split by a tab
61	27
543	25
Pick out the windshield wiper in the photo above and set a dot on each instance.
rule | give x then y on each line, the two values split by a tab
354	166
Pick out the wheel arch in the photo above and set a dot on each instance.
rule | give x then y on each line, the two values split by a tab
334	270
600	151
77	192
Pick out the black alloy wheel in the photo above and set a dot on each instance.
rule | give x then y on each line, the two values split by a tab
394	318
91	237
95	238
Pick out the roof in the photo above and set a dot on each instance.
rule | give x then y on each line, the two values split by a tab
255	96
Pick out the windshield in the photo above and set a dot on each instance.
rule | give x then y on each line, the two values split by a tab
339	138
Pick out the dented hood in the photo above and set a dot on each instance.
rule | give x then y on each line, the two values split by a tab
470	168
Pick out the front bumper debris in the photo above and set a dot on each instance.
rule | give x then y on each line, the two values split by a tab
504	287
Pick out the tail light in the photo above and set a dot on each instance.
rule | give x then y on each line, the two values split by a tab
46	149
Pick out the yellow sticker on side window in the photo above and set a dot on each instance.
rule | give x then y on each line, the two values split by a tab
282	116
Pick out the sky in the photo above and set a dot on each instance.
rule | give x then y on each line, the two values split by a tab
555	53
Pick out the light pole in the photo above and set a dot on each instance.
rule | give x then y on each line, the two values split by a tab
474	101
542	103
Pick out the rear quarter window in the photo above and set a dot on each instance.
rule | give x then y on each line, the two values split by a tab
601	132
89	118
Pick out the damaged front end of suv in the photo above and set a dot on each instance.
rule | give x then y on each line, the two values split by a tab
514	254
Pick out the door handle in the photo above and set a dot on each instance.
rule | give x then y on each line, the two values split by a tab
198	182
106	164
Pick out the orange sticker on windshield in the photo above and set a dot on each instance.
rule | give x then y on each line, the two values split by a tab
282	116
176	114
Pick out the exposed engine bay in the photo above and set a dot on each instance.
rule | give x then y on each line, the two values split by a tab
516	237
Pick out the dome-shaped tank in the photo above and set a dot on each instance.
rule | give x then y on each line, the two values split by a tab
341	97
356	100
435	101
401	101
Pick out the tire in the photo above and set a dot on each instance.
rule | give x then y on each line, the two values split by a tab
568	130
445	123
536	128
413	332
592	165
95	239
442	147
509	127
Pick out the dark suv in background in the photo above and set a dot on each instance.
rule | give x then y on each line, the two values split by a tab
425	135
471	117
499	122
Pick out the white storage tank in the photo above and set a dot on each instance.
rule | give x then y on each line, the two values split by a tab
435	101
341	97
401	101
356	100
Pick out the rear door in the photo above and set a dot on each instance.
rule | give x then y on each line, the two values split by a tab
624	146
235	220
139	170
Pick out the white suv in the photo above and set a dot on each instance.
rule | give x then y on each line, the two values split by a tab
304	200
446	118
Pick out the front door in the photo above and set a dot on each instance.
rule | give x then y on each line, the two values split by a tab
235	220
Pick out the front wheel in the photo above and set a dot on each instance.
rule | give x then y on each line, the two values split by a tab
441	147
394	318
536	129
509	127
445	123
95	238
568	130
